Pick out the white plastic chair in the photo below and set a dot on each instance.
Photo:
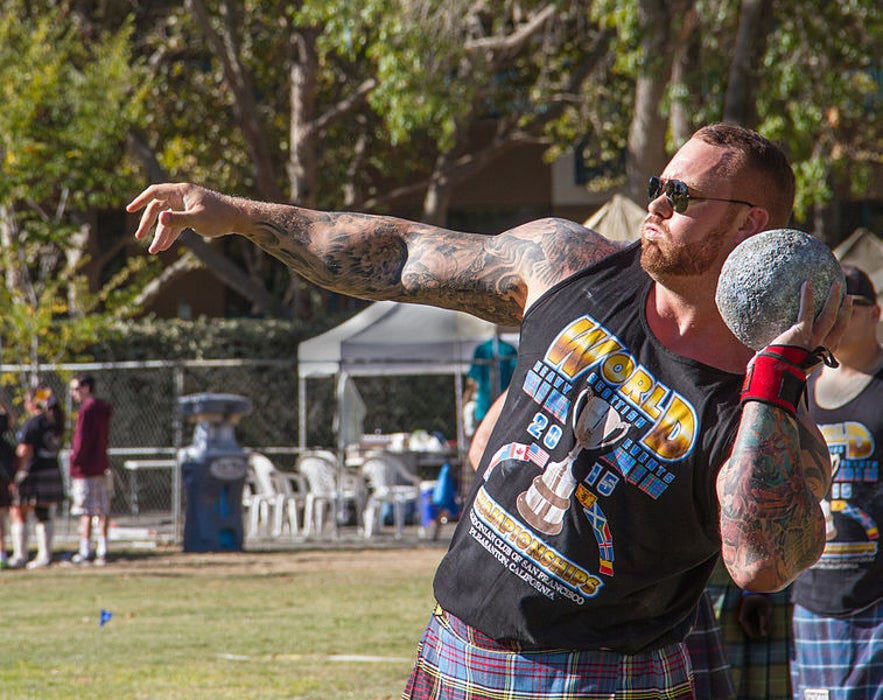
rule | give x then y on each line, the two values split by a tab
389	481
275	497
327	485
254	506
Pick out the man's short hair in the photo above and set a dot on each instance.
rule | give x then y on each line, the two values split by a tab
771	183
86	380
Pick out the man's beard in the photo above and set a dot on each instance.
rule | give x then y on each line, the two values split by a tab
660	260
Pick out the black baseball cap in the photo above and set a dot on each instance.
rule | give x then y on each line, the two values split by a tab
859	284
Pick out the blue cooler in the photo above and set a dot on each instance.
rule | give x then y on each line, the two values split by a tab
428	509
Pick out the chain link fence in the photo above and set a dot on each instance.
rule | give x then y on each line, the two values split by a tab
147	424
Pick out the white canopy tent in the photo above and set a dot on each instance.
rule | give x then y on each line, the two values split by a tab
864	250
389	338
618	219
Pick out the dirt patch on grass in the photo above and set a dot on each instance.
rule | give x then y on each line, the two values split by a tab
174	561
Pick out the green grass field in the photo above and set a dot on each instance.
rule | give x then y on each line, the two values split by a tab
312	625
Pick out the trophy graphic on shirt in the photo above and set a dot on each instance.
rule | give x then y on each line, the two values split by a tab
597	428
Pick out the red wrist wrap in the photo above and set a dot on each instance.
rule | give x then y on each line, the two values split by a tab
777	375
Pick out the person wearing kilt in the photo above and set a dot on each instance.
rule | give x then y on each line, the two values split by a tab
7	472
630	453
756	633
838	613
38	485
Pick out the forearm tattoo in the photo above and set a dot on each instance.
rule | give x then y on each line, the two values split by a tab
378	257
771	524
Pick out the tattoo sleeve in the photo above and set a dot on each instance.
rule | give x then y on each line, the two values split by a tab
772	527
379	257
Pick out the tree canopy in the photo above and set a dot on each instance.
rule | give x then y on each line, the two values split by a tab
68	103
376	105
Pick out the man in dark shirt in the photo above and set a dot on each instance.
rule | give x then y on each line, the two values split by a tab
838	613
518	581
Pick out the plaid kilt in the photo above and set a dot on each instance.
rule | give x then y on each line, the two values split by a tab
759	667
43	485
5	497
841	655
711	670
457	662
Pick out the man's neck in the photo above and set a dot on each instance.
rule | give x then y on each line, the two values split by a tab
690	325
836	387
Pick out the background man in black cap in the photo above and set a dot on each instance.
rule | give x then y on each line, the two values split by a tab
838	616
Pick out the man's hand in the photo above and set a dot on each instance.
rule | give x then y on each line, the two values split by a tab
827	328
755	614
175	207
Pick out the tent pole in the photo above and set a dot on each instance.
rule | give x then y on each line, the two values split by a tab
301	413
341	449
461	430
462	447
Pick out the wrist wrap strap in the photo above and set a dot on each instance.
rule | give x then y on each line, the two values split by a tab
777	374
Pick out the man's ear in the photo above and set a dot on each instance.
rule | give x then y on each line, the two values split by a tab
755	221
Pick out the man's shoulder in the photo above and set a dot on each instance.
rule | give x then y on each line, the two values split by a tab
96	406
564	231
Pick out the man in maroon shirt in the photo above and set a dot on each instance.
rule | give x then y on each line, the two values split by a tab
88	464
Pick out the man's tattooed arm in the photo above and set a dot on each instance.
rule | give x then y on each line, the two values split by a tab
772	527
381	257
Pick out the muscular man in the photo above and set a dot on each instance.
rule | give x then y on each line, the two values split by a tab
622	465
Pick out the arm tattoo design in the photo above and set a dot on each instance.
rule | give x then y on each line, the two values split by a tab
771	524
379	257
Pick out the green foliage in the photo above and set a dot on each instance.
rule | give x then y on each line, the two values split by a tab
68	100
243	338
186	110
817	90
66	108
820	96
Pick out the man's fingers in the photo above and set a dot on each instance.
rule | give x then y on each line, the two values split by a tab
841	321
169	208
142	199
828	314
158	203
806	310
148	217
166	232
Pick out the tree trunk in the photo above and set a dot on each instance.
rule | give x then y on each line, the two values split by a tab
751	38
15	280
437	199
226	49
682	63
646	152
302	156
74	253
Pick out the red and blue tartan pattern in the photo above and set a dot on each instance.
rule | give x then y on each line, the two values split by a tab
841	655
457	662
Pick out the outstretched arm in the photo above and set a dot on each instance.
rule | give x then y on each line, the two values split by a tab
381	257
772	526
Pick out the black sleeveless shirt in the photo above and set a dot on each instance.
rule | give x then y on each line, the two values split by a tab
849	575
593	519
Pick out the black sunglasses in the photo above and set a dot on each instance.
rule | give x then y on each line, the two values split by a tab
678	195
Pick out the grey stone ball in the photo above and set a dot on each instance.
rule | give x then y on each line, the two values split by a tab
758	292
